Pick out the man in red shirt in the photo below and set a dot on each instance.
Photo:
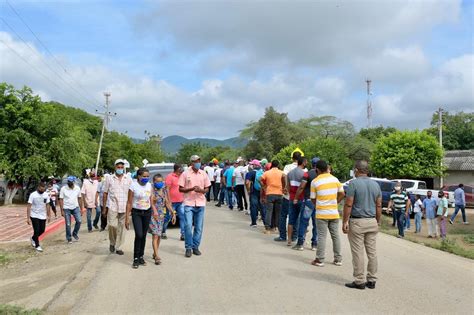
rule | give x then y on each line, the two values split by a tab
176	196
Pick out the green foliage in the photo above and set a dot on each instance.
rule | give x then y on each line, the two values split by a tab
189	149
322	127
458	130
374	134
407	154
6	309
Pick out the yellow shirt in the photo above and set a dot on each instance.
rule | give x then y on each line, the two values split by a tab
324	189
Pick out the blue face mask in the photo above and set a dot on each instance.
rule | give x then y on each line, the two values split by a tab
197	165
119	172
159	185
144	180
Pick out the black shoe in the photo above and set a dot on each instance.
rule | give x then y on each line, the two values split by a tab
112	248
354	285
142	261
218	205
119	252
181	238
96	227
370	284
135	264
279	239
196	252
164	236
189	253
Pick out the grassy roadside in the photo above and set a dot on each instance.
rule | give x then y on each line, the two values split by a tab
6	309
459	241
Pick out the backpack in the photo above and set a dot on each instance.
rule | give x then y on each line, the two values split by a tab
256	183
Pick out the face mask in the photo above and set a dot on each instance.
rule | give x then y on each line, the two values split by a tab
197	165
70	184
398	188
159	185
144	180
119	172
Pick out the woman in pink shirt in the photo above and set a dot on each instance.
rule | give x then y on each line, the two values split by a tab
176	198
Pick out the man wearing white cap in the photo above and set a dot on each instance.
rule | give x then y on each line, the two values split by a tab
115	205
194	183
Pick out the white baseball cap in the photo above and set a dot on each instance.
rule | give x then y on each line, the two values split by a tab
119	161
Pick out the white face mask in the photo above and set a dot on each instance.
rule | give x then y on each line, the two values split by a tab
398	188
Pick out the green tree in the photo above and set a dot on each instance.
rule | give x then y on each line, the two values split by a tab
458	130
323	127
374	134
407	154
189	149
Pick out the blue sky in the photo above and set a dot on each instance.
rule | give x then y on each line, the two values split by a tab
178	65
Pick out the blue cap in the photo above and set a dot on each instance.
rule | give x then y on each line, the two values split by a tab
71	178
315	160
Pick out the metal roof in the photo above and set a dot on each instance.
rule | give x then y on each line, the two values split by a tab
459	160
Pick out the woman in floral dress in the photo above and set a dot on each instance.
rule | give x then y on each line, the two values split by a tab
160	202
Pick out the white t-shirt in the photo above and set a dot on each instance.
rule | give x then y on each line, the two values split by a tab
417	207
141	196
239	173
210	172
70	196
288	168
217	174
38	204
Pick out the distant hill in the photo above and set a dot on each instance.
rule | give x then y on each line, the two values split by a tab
172	144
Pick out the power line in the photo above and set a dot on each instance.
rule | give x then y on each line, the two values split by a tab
44	61
34	68
47	50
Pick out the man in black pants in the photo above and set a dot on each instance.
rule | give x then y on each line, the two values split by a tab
37	211
239	179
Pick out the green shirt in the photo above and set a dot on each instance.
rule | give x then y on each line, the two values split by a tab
443	203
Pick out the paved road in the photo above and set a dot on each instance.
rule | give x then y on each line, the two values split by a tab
244	271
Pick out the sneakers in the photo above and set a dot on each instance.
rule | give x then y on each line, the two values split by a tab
279	239
253	225
188	253
119	252
112	248
450	221
76	238
218	205
135	263
96	227
465	223
181	238
338	262
69	241
314	247
164	236
354	285
298	247
33	244
197	252
142	261
39	249
370	284
317	263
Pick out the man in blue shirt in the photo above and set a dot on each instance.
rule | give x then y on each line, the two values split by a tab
229	185
459	204
429	206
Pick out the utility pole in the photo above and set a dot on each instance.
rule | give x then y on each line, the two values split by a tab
369	105
440	130
106	117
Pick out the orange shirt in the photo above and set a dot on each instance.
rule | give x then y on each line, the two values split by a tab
272	181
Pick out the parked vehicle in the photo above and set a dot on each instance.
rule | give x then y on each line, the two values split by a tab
418	187
468	190
386	186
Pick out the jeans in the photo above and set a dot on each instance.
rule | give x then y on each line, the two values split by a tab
179	208
39	226
273	211
167	221
418	217
230	196
333	227
407	221
256	206
241	200
285	208
222	195
77	216
141	223
196	215
304	222
456	210
89	217
400	216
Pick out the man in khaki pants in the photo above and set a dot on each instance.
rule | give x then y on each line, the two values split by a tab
362	212
115	203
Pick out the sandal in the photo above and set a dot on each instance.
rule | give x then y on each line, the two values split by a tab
158	261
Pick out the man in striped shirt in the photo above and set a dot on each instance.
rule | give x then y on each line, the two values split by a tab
401	204
326	193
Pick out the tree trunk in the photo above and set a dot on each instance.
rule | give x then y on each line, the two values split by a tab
10	194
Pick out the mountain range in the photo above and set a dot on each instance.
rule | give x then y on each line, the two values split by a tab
172	144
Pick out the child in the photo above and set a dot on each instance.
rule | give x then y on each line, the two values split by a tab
418	207
442	214
37	211
52	193
159	203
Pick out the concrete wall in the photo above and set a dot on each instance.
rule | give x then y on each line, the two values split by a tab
457	177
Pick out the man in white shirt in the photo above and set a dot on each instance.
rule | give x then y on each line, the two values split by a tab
37	211
209	169
69	201
239	178
217	179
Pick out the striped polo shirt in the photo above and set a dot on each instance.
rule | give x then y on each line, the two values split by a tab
399	201
324	189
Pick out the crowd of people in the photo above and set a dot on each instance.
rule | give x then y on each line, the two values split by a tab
285	199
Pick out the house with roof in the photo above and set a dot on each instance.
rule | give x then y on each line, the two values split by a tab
459	165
